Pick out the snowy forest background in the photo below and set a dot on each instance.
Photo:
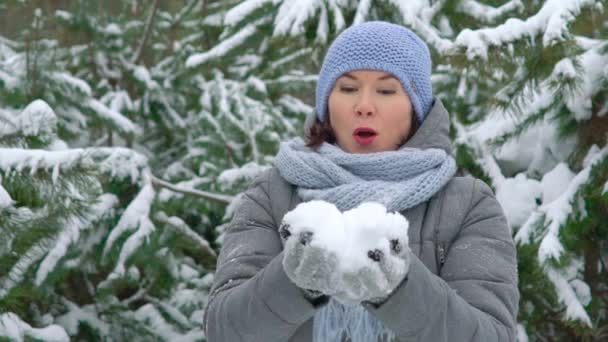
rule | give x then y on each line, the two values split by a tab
128	127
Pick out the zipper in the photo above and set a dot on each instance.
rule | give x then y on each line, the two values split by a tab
439	251
440	254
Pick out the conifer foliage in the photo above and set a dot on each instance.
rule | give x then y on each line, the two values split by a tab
129	127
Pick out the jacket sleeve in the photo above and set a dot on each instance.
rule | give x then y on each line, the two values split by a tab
251	298
475	297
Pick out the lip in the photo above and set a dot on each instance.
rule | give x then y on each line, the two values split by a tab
364	140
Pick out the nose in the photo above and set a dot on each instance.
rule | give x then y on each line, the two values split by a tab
365	105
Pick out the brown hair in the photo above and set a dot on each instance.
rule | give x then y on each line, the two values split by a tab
321	132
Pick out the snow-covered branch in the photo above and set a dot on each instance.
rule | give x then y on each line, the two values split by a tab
551	21
180	226
223	199
135	217
487	13
13	328
225	46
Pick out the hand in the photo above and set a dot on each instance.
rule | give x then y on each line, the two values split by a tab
379	251
361	255
310	267
376	280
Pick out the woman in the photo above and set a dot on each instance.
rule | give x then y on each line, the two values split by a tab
378	136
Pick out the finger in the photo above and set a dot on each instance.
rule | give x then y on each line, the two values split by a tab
284	231
317	267
292	257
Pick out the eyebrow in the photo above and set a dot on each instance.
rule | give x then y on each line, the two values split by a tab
385	77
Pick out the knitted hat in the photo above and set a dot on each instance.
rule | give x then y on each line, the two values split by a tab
380	46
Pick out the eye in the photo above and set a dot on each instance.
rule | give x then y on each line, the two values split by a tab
386	91
347	89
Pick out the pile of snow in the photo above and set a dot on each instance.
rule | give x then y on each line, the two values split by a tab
352	234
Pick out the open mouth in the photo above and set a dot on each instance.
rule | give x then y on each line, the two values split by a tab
364	135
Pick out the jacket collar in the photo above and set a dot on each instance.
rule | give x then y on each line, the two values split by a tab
434	131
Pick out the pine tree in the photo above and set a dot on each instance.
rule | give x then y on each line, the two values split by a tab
510	72
156	115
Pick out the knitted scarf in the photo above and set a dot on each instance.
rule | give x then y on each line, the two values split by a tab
397	179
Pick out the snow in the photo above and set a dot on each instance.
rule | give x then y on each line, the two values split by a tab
225	46
522	336
181	226
112	29
555	182
293	14
19	159
579	102
119	162
19	269
37	119
556	212
150	314
86	314
142	74
121	122
417	15
517	196
247	172
14	329
567	295
64	15
486	13
350	234
551	20
71	234
136	216
295	105
257	84
5	197
74	82
236	14
362	11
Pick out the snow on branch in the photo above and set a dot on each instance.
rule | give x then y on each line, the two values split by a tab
225	46
119	121
13	328
487	13
17	272
417	15
223	199
86	314
557	211
567	295
150	314
238	13
551	21
181	226
135	217
5	198
71	233
37	119
34	160
362	10
293	14
119	162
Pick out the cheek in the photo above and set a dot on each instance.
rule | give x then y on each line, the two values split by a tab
400	120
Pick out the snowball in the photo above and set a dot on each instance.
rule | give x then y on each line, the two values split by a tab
350	234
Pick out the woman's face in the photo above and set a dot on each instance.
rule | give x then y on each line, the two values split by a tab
369	112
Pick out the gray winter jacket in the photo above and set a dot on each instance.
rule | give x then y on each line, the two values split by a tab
462	283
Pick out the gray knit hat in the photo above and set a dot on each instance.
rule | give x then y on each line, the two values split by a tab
380	46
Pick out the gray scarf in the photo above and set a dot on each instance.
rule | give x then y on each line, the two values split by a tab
397	179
